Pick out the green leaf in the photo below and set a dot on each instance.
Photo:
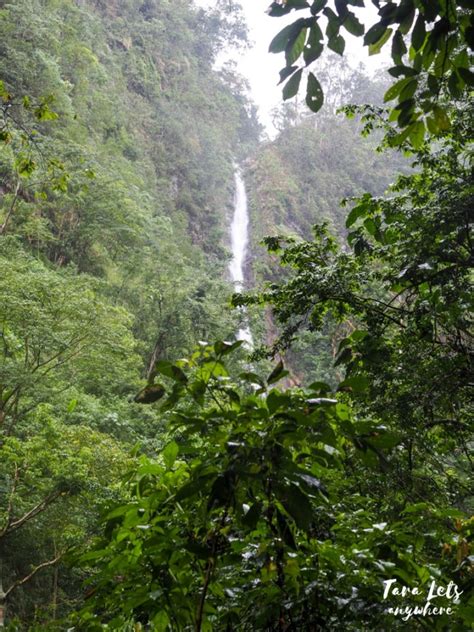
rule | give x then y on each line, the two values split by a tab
374	49
467	76
314	94
221	491
297	505
455	85
352	25
320	387
277	373
310	481
286	35
161	621
409	89
276	400
198	389
396	88
337	44
417	134
357	384
277	10
285	531
151	393
418	35
291	87
407	21
370	226
400	69
314	46
44	113
358	211
441	118
318	6
295	47
399	48
286	72
72	405
170	453
193	487
374	34
252	378
5	136
169	369
221	347
252	516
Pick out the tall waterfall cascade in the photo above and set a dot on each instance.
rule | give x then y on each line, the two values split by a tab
239	233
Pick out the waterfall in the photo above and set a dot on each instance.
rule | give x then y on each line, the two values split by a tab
239	241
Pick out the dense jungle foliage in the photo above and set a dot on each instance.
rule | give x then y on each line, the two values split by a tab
118	149
154	479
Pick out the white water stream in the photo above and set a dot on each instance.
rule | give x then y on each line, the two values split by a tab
239	241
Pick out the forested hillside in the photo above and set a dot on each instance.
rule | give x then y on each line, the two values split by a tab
119	142
317	161
307	175
156	472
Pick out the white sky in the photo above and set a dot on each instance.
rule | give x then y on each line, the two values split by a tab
261	67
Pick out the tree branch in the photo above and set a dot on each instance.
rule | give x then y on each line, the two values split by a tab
36	569
3	227
37	509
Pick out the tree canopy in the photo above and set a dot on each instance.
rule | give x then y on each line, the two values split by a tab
431	49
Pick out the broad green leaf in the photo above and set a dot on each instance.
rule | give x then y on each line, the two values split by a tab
319	387
314	94
297	504
399	48
400	70
466	75
277	373
417	134
291	87
374	49
295	47
252	516
222	347
441	118
356	213
277	10
161	621
314	46
252	378
374	34
170	453
396	88
286	35
151	393
318	6
170	370
419	33
286	72
352	25
357	384
337	44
